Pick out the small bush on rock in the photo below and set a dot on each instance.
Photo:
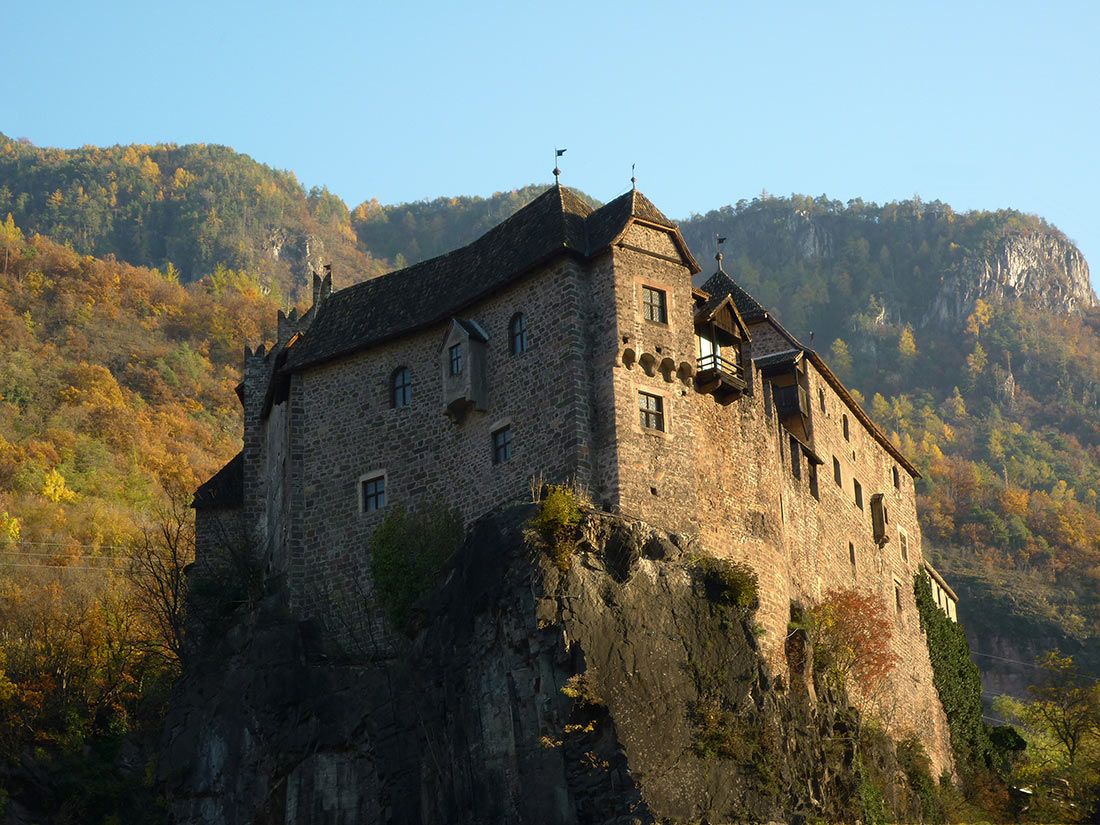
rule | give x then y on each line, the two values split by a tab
554	526
729	583
407	553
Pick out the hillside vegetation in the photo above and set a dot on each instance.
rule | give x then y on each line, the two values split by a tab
116	399
191	208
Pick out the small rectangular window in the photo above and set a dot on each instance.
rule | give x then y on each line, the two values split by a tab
857	490
897	479
374	493
654	307
796	459
821	398
903	544
836	472
897	596
651	409
456	359
844	423
502	445
811	468
852	555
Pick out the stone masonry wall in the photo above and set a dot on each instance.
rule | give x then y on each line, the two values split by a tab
656	467
725	472
345	428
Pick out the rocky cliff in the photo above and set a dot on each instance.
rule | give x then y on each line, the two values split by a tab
1042	269
620	691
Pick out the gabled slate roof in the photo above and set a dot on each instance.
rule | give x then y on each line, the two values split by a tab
750	309
473	329
778	361
224	489
557	222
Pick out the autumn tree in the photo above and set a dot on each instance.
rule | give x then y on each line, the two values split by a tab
851	632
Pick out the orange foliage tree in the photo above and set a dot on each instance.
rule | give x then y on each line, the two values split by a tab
851	633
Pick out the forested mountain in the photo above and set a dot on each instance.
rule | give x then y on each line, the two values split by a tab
116	400
192	207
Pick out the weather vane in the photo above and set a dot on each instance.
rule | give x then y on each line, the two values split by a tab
633	180
718	241
557	154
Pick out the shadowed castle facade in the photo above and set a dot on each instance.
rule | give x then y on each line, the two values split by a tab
569	343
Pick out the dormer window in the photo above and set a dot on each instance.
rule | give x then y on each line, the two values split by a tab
456	359
654	305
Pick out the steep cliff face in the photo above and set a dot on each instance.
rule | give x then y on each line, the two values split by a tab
1042	269
616	692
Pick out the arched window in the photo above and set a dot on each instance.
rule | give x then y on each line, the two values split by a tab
401	387
517	333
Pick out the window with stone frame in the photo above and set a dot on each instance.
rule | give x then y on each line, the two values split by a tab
654	305
401	388
857	492
502	444
372	493
844	424
456	359
897	478
836	472
517	333
903	544
651	411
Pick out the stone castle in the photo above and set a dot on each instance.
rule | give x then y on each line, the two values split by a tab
569	343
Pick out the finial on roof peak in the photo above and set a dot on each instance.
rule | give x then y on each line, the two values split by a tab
718	241
633	180
557	172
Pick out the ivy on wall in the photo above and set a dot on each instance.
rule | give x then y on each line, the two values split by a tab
956	679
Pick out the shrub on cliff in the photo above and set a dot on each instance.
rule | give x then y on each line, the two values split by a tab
851	632
728	583
407	552
554	525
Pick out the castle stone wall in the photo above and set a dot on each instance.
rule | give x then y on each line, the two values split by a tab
345	428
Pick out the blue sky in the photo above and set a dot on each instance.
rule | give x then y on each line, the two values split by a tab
981	105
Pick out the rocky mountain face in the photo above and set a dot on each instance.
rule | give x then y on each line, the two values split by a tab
1042	269
616	692
1031	262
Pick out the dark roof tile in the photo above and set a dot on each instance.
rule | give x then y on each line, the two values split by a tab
721	284
374	311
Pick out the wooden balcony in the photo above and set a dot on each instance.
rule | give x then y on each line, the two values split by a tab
719	376
791	400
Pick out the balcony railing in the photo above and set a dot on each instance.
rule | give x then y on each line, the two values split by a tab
791	400
718	374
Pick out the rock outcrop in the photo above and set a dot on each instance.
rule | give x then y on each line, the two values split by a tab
1042	269
619	691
